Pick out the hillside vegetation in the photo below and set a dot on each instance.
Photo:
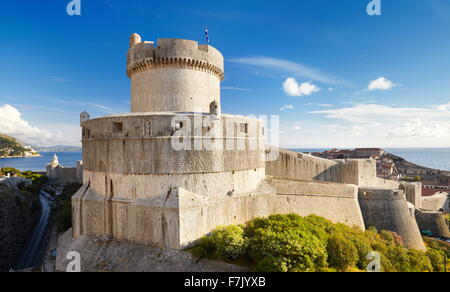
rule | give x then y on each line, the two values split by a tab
10	147
290	243
19	209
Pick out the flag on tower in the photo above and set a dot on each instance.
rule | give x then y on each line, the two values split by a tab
207	35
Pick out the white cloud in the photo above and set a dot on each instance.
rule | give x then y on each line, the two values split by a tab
287	107
382	84
292	88
234	88
386	126
295	69
418	129
444	107
12	124
319	104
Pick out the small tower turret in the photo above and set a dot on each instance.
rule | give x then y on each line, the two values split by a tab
175	76
84	116
135	39
55	161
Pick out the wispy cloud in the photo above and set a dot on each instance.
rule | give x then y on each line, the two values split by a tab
292	68
371	125
319	104
397	122
235	88
287	107
87	105
59	79
442	10
113	5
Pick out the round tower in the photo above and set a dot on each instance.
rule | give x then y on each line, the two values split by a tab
176	75
176	159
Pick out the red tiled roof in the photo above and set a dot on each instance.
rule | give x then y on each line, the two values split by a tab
376	149
429	192
429	183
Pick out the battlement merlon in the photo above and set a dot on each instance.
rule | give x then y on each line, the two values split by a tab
182	53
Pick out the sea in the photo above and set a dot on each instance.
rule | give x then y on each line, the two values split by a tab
68	159
437	158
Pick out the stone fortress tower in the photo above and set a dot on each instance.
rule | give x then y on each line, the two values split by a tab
138	186
175	167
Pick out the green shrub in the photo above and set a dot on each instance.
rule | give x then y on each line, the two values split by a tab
398	256
35	177
64	201
288	250
229	242
290	243
342	254
9	170
64	217
419	262
436	259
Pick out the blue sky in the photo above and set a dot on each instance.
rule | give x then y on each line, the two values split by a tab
336	76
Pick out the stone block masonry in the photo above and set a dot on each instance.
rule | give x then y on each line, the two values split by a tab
139	187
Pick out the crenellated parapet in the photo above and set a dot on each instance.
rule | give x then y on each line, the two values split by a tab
176	75
174	53
179	63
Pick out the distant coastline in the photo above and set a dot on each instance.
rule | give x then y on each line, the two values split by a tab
434	158
21	156
38	163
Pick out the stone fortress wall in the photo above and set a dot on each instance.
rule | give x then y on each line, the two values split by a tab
138	187
361	172
59	174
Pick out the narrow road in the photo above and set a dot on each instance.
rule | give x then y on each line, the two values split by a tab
30	254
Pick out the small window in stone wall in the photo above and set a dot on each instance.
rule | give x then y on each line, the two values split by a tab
147	128
244	128
117	128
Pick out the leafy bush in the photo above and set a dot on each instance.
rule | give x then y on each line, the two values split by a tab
436	259
419	261
35	177
228	242
342	254
9	170
64	201
290	243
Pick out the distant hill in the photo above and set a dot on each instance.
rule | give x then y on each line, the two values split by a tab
59	148
10	147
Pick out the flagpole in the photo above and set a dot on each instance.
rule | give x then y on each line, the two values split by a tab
207	35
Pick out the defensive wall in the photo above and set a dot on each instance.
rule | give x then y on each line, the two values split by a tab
59	174
432	221
384	206
437	202
360	172
389	210
139	186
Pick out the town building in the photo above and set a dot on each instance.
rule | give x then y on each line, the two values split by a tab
59	174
